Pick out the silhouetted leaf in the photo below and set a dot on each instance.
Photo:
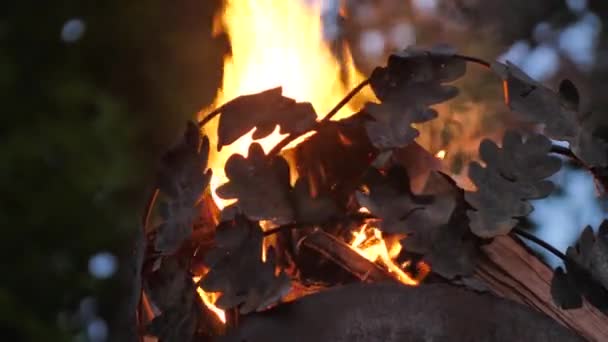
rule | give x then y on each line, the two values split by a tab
264	111
536	103
311	208
440	231
513	174
414	66
587	267
406	87
260	185
183	179
389	198
237	270
564	292
172	291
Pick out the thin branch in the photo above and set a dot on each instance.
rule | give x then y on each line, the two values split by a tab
598	173
540	242
345	100
474	60
566	152
210	116
288	139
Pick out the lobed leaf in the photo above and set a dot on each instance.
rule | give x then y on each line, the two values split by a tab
183	179
263	111
411	81
440	232
237	269
558	112
587	271
260	185
513	174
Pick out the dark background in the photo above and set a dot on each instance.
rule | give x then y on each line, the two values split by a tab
84	121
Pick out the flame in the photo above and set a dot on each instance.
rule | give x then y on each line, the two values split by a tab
370	244
276	43
209	299
441	154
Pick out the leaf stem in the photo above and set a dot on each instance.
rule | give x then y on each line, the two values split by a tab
327	117
540	242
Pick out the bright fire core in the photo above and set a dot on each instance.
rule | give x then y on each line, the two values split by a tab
276	43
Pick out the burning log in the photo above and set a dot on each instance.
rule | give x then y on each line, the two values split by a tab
341	253
389	312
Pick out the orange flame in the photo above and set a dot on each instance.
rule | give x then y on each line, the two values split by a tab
209	299
370	244
276	43
441	154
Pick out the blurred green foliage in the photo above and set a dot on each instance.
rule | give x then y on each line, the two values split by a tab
82	126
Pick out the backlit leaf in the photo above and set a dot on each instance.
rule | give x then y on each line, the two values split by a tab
264	111
558	112
260	185
237	269
513	174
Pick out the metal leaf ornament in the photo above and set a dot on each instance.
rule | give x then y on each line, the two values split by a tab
389	198
263	111
261	186
237	269
411	81
557	111
587	272
183	179
513	174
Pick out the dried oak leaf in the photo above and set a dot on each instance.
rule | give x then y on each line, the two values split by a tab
389	198
263	111
172	291
311	208
260	185
410	83
182	178
587	271
514	174
558	112
440	232
417	66
237	269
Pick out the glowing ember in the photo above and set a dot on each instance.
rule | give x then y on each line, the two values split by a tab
370	244
209	298
441	154
276	43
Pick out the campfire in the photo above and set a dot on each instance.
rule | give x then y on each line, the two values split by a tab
304	177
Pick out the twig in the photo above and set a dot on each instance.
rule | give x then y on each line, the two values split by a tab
566	152
210	116
540	242
600	174
288	139
474	60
